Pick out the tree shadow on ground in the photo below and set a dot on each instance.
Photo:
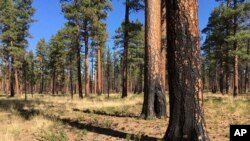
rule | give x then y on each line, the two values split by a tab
104	113
19	106
104	131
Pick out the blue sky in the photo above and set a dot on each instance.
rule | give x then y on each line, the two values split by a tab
49	19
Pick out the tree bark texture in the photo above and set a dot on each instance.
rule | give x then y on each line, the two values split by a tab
185	86
154	97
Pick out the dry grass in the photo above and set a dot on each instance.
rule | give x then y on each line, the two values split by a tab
54	118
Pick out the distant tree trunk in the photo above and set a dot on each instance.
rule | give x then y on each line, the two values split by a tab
227	68
154	97
214	80
42	82
125	52
186	121
236	58
246	70
7	79
12	91
86	42
16	82
71	82
99	72
53	82
108	79
78	48
221	75
241	80
95	82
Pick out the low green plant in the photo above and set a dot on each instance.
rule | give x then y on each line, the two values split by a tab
52	136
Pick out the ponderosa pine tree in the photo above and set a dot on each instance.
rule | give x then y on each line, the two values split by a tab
99	34
41	54
130	5
136	52
185	86
154	103
15	19
71	10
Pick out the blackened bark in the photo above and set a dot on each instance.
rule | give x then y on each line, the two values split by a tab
185	86
125	53
154	97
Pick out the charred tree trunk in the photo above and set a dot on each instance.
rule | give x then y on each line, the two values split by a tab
125	53
154	97
186	121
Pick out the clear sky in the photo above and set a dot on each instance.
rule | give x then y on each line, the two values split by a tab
49	19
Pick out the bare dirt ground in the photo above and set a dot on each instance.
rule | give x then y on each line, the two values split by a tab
98	118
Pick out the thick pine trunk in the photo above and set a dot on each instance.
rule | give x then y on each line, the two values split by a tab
154	97
125	53
99	72
185	86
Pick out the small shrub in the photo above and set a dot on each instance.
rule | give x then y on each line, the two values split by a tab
53	136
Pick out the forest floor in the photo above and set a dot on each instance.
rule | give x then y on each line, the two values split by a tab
98	118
